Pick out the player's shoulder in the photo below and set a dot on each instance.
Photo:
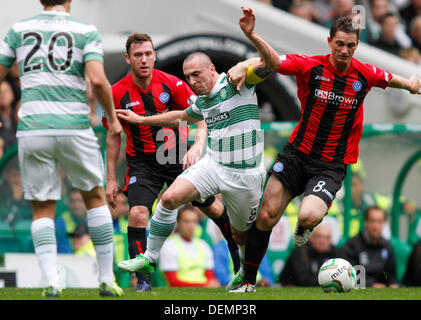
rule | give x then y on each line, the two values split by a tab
123	82
82	27
363	67
122	86
167	78
313	61
23	23
305	60
300	56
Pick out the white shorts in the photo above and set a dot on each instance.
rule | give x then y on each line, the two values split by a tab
40	158
241	189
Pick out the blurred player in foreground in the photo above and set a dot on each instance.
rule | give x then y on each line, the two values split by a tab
331	89
55	53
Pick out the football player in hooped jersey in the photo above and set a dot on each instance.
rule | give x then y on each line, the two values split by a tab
232	165
331	89
155	155
55	53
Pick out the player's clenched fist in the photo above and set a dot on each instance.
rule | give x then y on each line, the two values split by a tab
414	84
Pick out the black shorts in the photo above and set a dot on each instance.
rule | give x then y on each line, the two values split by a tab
300	173
144	184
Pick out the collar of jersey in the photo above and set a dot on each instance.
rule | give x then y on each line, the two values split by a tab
53	12
330	66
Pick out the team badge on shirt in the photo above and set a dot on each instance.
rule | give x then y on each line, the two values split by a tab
357	86
223	93
164	97
278	166
132	180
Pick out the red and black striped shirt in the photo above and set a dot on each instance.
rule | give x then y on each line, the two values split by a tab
165	93
331	121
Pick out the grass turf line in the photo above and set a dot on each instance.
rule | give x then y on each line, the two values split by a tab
307	293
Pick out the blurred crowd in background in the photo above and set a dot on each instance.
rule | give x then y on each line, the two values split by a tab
390	25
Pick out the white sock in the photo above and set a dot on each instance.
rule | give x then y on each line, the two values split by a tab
162	225
101	231
45	244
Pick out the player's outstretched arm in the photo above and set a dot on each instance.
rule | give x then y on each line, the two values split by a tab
412	84
167	119
256	69
269	56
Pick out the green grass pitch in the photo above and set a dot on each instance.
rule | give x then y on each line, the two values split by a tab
307	293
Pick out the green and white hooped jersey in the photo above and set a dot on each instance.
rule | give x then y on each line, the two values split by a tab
51	50
235	139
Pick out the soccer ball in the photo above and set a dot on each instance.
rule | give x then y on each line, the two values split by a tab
336	275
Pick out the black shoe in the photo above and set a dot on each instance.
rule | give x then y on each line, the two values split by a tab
142	285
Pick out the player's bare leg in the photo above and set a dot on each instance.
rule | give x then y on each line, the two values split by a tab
162	224
311	213
274	203
218	213
43	209
101	232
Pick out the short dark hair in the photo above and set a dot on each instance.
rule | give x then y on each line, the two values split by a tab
49	3
369	209
343	24
137	38
198	54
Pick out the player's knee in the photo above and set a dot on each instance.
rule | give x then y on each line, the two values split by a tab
139	217
170	201
267	219
308	218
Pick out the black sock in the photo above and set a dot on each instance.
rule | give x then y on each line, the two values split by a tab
256	246
300	230
137	244
223	223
